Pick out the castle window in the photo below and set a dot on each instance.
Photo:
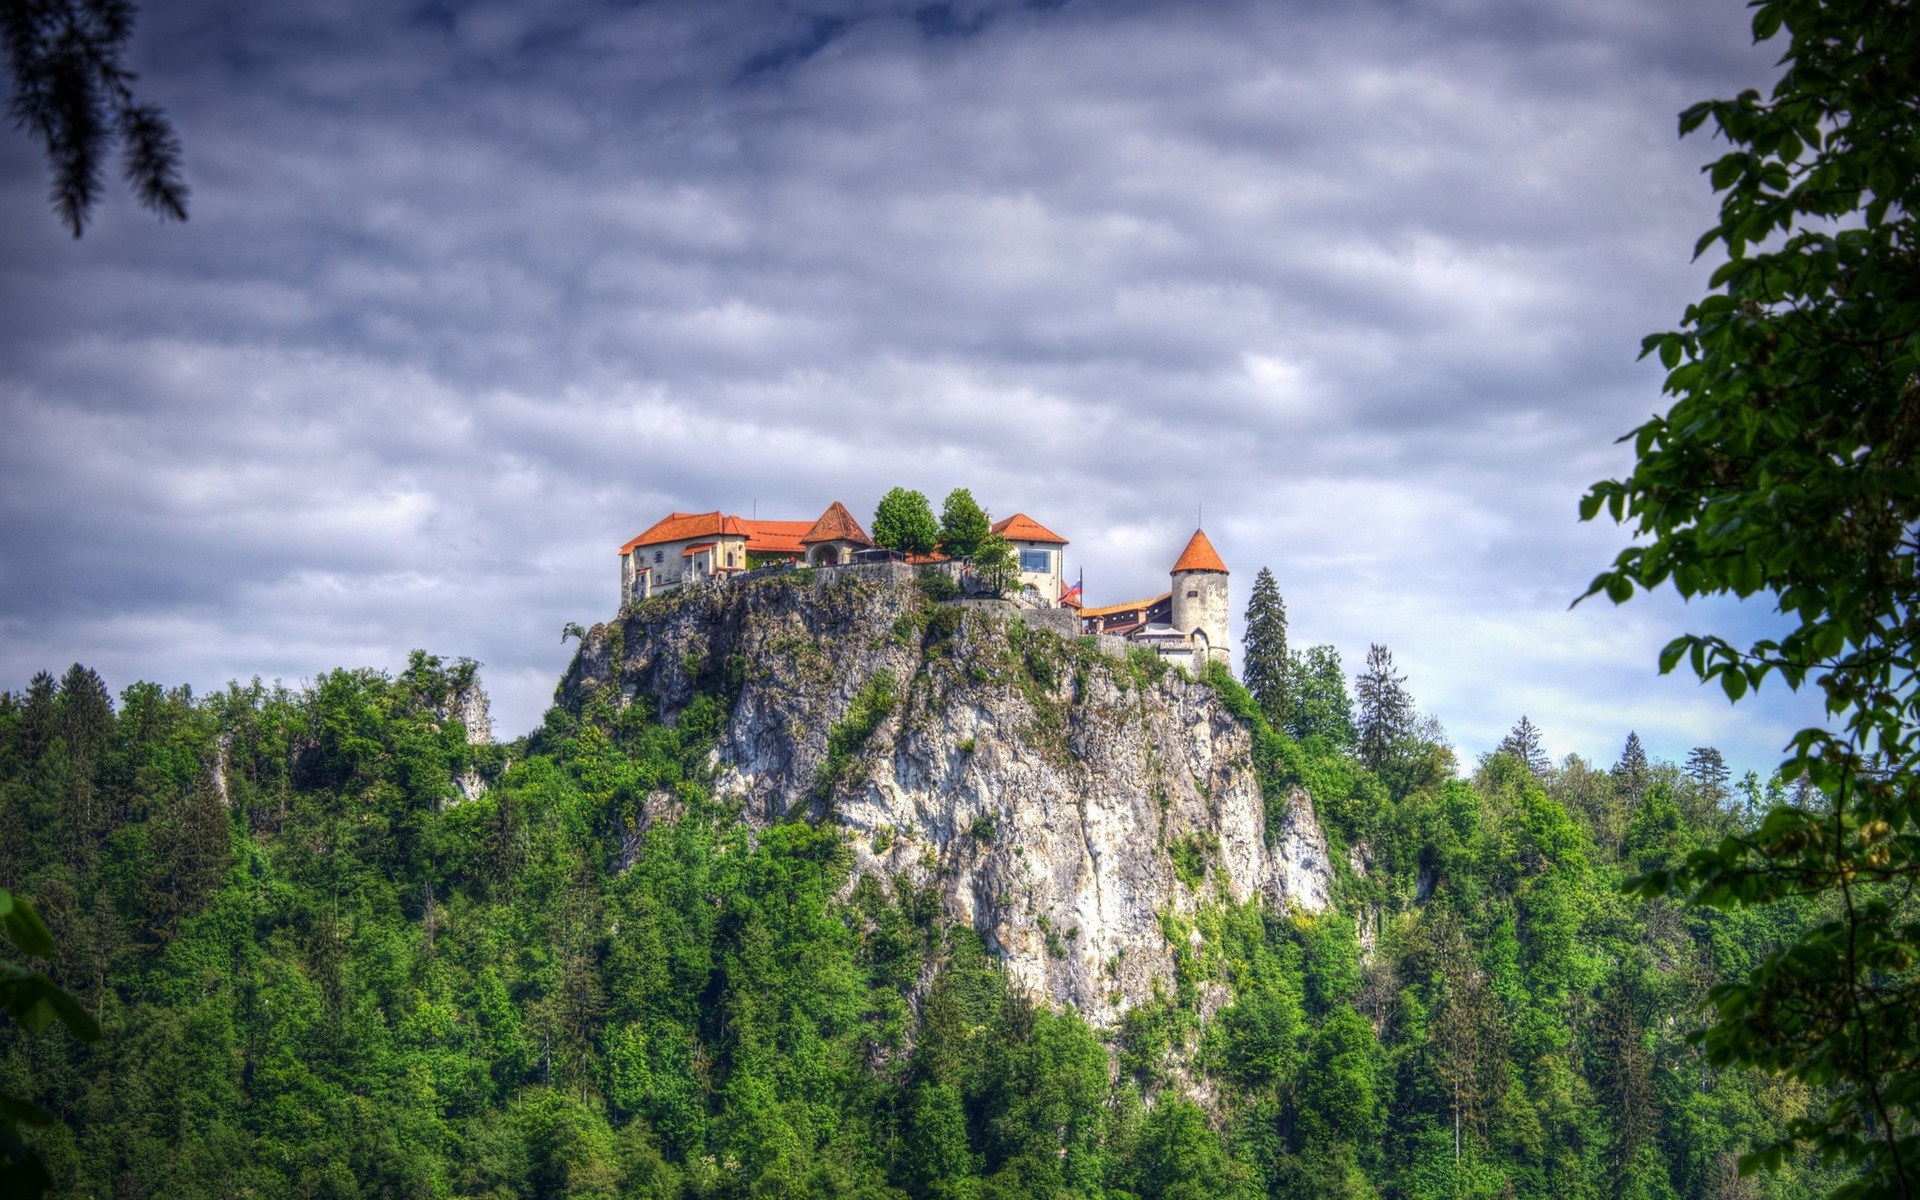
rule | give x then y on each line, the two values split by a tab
1037	561
1193	595
659	556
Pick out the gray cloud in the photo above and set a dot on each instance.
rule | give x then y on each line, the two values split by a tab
473	292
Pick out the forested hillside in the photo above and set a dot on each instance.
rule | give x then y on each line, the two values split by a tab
323	971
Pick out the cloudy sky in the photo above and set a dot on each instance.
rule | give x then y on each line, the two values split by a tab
472	292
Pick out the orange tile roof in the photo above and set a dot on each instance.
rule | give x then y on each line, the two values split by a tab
1022	528
775	537
678	527
837	525
696	548
1107	610
1200	556
763	537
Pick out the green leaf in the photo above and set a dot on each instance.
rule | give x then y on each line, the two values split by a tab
25	929
1734	682
1672	653
79	1022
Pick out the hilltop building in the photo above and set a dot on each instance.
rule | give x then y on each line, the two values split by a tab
692	547
835	538
1187	623
1042	554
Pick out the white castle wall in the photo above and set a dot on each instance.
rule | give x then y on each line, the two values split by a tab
1200	602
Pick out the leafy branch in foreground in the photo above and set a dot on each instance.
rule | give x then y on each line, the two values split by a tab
73	94
1789	464
34	1001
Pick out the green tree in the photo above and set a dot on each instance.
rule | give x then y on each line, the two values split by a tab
1318	705
939	1161
1385	709
1265	669
996	566
904	522
1623	1080
963	524
1338	1092
73	94
1631	773
1788	466
1179	1157
1523	742
1466	1043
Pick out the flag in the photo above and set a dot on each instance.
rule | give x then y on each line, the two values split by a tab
1071	596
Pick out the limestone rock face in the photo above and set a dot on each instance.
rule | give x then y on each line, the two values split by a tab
1060	800
468	705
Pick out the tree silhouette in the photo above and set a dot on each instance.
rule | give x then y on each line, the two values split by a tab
1523	742
74	95
1630	773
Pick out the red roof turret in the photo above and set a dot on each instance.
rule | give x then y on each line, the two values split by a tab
1022	528
836	525
1199	556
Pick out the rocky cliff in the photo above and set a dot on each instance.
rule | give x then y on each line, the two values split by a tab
1061	796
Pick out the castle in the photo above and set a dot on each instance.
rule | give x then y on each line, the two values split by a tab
1186	625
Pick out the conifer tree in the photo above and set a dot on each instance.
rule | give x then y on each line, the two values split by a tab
84	720
1630	773
1386	710
1708	770
37	715
73	93
1265	672
963	524
1524	744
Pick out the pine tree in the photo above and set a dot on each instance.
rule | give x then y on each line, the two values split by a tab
83	717
37	718
1630	773
1524	744
1386	710
1265	672
1709	772
72	94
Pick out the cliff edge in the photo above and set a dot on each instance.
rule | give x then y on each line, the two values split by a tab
1069	801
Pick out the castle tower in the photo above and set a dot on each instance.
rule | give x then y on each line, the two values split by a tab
1200	598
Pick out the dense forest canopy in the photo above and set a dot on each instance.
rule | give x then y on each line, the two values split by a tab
323	971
